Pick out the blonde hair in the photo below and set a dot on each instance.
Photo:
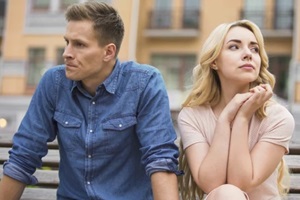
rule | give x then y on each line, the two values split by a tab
206	89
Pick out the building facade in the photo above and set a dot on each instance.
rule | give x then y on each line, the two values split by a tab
165	33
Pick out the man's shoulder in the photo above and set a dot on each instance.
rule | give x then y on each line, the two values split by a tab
60	69
133	66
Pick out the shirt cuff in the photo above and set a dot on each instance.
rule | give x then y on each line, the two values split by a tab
165	165
15	172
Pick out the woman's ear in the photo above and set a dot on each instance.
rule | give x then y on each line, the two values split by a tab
214	65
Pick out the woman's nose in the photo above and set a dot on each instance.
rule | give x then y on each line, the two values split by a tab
247	55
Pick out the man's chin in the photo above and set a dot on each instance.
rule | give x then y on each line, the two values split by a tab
72	77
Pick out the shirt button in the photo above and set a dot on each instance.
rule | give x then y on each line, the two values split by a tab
66	122
91	131
120	125
89	156
93	102
88	182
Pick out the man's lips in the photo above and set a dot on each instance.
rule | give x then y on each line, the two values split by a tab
70	65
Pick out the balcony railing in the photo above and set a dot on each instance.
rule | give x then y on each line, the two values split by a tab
270	21
190	19
167	19
160	19
284	20
2	15
1	25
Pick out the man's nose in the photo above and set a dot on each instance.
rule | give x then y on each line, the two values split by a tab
67	52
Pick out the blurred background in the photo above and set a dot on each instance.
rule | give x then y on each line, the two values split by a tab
165	33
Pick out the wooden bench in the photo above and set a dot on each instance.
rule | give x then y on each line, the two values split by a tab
293	162
47	176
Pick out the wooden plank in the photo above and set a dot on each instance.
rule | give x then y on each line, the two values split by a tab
295	183
294	148
293	162
292	197
39	194
51	159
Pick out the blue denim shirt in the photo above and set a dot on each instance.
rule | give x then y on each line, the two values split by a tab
109	143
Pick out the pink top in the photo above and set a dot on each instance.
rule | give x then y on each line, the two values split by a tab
197	124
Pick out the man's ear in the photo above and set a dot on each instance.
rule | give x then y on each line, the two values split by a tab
110	52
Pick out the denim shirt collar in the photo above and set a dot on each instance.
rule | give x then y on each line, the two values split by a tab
110	83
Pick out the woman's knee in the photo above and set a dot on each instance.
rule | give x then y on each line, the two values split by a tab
227	192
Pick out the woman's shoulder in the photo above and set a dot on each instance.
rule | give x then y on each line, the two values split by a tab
274	109
196	109
279	114
197	113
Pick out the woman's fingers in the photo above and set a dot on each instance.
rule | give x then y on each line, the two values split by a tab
262	92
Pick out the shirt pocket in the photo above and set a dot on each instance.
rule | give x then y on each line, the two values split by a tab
119	133
119	124
68	130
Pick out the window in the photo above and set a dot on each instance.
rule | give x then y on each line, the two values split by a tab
59	56
284	14
255	10
191	14
65	3
176	70
162	14
36	65
279	66
40	5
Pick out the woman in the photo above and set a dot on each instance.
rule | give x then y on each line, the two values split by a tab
233	134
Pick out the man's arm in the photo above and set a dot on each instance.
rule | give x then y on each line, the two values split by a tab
164	186
11	189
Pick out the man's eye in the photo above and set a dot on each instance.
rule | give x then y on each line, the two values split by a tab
78	44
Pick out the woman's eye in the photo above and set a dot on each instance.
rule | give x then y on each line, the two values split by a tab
255	49
233	47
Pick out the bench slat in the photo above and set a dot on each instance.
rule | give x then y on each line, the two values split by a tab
294	148
293	162
295	183
292	197
39	194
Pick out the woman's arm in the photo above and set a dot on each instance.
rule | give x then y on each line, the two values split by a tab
209	170
248	169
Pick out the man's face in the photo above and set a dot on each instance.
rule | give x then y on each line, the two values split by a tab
83	56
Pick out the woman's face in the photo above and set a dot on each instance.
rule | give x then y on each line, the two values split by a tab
239	60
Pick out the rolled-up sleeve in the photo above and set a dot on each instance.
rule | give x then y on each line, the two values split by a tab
36	129
155	128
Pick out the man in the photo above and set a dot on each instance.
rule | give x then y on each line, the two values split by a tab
111	119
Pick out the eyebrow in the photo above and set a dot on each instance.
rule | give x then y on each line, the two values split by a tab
239	41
